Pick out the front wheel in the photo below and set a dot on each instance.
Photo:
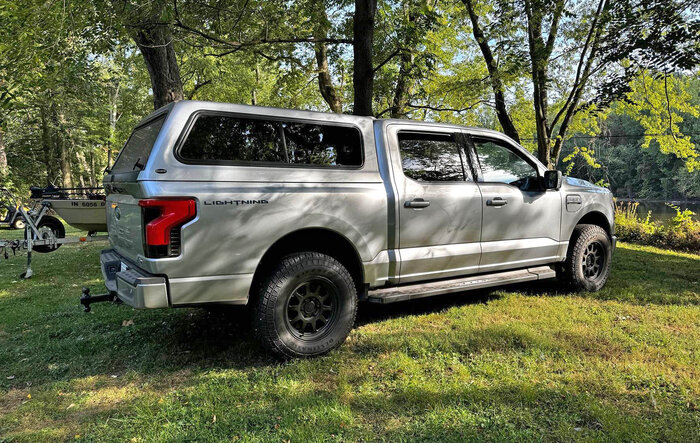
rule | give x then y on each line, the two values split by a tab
306	307
588	261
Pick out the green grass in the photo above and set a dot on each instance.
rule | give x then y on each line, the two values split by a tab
521	363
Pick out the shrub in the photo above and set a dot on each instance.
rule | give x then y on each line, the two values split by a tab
681	232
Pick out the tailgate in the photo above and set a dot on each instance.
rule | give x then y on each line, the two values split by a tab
124	225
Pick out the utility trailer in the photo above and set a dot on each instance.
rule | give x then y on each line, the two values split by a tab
42	232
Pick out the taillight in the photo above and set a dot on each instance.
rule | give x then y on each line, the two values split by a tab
162	220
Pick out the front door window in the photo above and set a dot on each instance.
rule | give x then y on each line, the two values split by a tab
501	165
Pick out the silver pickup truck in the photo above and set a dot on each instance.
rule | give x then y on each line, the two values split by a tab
300	215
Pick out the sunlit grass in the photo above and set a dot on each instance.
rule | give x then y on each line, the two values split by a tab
524	362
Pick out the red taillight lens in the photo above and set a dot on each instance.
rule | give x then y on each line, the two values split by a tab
164	215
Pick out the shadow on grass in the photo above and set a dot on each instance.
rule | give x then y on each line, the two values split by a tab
55	347
435	410
56	342
66	344
638	276
372	312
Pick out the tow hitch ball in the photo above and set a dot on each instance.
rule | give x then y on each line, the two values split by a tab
86	299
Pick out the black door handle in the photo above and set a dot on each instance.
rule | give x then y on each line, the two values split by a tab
416	203
498	201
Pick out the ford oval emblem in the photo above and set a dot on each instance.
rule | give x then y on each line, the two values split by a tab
117	213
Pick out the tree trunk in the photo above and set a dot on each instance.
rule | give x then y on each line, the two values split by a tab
64	157
325	82
539	96
539	60
84	168
156	45
494	75
403	86
61	147
93	173
254	92
113	118
48	147
363	75
3	158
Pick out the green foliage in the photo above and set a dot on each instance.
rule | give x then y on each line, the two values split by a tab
636	161
72	79
659	105
586	154
681	232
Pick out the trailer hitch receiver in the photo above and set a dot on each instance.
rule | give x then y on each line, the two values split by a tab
86	299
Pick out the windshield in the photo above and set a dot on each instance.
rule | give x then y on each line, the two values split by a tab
135	153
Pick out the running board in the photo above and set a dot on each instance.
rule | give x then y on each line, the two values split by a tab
420	290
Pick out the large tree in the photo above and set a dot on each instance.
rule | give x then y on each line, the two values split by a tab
152	30
578	54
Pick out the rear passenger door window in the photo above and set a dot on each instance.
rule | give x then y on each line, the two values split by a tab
435	157
227	139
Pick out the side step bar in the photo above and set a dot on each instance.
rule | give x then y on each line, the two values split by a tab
420	290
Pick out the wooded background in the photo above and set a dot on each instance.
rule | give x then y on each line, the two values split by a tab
605	90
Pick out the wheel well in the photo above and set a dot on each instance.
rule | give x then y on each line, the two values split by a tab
596	218
320	240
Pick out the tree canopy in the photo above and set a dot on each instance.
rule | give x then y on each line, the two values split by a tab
567	79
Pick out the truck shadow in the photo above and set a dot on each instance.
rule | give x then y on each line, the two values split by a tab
214	336
72	344
371	312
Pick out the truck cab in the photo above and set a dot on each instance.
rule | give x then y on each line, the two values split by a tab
300	215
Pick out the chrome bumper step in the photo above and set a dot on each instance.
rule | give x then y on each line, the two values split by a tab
420	290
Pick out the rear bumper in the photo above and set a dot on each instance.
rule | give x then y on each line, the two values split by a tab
133	286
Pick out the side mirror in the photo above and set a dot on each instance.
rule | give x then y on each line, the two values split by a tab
552	179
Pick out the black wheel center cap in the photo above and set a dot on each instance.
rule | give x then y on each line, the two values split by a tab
310	307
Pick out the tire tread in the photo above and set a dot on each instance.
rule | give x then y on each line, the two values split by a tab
579	239
263	322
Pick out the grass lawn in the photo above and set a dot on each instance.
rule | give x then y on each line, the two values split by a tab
521	363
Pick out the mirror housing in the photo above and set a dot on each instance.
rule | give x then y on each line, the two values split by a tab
552	179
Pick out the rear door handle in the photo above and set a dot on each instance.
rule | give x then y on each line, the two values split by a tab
416	203
498	201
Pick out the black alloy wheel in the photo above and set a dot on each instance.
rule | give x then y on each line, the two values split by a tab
593	262
312	308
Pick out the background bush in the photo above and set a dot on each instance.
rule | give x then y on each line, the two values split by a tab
681	232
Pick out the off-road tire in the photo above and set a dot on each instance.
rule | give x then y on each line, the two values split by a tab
56	226
278	300
588	260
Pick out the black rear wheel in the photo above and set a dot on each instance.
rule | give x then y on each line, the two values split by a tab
306	307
